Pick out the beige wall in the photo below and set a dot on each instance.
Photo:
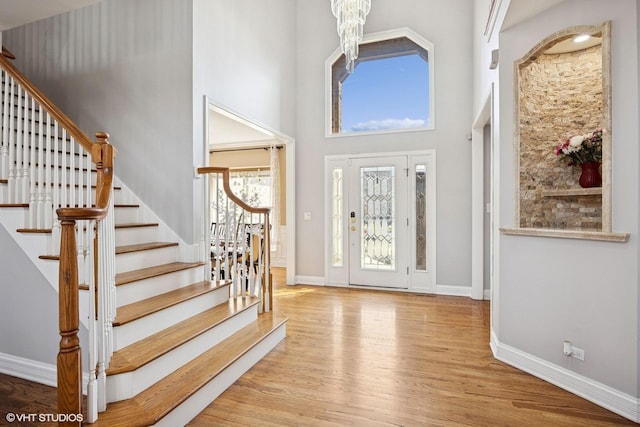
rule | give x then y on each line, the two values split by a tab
258	158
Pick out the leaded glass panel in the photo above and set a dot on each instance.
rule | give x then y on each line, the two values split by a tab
377	218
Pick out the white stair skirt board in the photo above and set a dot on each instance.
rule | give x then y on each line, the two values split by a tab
127	385
148	258
147	288
138	329
207	394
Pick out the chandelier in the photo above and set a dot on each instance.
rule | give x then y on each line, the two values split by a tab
351	15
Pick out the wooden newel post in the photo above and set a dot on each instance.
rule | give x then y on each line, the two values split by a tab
69	361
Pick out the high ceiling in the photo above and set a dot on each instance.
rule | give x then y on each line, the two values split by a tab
14	13
521	10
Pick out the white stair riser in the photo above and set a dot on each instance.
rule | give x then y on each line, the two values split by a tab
118	196
131	332
143	259
135	235
126	215
127	385
197	402
147	288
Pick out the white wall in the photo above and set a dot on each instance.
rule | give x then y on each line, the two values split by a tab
448	25
124	67
35	336
34	340
243	60
583	291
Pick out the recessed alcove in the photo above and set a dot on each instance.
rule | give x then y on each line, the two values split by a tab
562	88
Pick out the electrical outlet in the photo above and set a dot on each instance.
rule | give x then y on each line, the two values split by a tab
577	353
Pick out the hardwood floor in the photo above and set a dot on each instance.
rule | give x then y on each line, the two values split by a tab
372	358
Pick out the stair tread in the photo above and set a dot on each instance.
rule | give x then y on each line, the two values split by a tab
125	249
158	270
130	312
148	349
151	405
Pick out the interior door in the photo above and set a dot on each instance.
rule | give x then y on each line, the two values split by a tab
378	222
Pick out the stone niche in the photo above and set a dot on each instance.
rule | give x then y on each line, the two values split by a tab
562	91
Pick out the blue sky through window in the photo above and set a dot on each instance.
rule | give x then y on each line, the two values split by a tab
390	93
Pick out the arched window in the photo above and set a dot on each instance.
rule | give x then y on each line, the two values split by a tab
390	89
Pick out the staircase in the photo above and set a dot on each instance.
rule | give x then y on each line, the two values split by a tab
178	338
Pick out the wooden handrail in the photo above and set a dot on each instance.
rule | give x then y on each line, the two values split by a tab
69	361
71	128
7	53
227	189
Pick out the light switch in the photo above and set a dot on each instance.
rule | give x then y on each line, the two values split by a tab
307	216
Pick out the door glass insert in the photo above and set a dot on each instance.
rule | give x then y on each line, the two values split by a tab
421	218
337	219
377	218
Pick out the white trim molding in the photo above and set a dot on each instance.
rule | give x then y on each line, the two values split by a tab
372	38
609	398
32	370
310	280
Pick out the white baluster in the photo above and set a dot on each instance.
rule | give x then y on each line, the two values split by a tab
72	177
17	184
7	116
48	202
55	229
92	386
26	149
41	186
267	265
64	199
33	204
12	148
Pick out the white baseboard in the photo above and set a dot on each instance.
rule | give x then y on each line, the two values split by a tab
310	280
487	294
32	370
27	369
455	291
609	398
450	290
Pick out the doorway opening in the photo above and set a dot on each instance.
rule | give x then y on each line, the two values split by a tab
255	154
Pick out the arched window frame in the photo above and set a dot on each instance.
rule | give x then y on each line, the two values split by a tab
332	86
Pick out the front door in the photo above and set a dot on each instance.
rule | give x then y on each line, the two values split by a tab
378	221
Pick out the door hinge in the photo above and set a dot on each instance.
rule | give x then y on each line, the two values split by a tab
407	270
